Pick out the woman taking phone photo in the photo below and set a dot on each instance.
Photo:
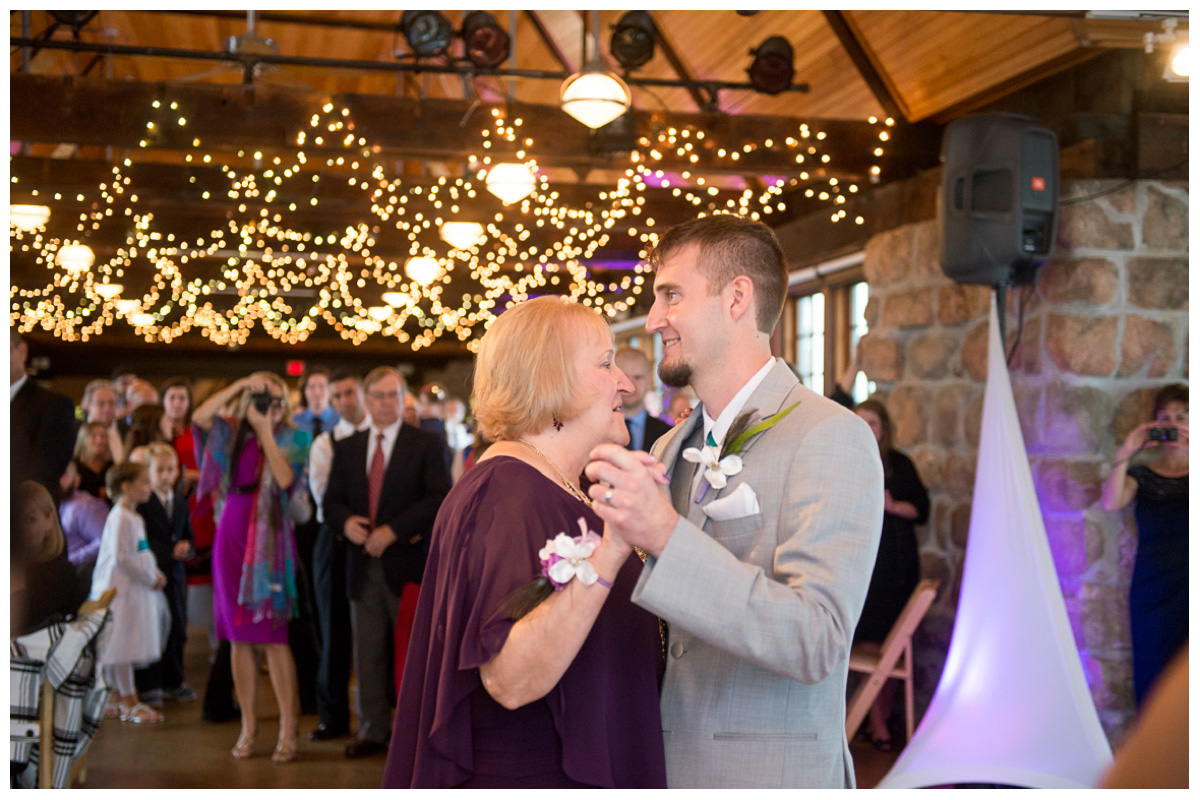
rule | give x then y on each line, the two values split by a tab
1158	488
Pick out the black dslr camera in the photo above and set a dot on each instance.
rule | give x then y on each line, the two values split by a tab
262	401
1163	435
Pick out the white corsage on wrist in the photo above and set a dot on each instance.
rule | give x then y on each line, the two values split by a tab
564	558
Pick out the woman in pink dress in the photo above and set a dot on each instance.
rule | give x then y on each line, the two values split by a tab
256	461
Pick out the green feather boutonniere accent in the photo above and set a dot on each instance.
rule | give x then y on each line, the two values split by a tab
741	432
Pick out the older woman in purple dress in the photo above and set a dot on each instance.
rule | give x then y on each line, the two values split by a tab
256	458
511	680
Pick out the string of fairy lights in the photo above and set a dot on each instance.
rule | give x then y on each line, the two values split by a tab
286	280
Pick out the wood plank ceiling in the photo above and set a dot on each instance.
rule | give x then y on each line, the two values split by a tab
77	111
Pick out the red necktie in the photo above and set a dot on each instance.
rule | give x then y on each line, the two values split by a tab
375	478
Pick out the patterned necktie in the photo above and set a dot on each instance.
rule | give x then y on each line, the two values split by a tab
375	478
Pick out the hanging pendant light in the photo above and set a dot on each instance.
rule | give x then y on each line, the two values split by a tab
75	258
27	217
108	290
511	182
423	269
461	235
379	313
395	299
594	96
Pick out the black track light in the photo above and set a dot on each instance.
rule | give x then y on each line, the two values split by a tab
428	33
486	43
772	70
632	42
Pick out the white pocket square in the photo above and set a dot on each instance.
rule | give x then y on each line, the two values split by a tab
741	503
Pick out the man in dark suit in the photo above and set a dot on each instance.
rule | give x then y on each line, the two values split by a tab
329	565
385	487
169	534
644	427
42	424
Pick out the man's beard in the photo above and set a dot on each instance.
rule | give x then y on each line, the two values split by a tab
675	375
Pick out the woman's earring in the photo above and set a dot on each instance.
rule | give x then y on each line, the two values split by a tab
554	420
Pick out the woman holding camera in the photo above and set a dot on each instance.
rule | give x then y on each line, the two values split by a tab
256	459
1158	595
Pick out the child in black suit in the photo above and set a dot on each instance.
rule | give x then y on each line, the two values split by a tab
169	532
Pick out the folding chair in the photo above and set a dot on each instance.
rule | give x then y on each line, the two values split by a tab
895	660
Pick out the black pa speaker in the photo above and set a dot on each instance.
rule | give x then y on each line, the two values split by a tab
999	205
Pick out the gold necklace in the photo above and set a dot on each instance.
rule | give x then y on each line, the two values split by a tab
574	490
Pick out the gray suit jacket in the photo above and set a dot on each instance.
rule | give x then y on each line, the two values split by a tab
762	608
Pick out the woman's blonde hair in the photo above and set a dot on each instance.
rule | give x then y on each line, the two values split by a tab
81	438
243	402
31	494
525	370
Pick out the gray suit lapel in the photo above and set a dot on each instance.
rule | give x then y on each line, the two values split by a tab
769	398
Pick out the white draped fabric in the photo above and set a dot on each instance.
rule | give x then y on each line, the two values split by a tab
1012	706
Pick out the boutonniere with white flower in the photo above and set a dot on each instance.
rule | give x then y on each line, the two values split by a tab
720	466
565	558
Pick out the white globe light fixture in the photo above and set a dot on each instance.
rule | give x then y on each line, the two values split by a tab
126	306
1181	62
141	320
461	235
423	269
27	217
75	258
108	290
594	96
395	299
511	182
379	313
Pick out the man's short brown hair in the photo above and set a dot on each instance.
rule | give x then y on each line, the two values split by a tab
731	246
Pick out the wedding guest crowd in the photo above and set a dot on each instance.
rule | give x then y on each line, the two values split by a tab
549	587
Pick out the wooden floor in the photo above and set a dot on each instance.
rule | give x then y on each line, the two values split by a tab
186	752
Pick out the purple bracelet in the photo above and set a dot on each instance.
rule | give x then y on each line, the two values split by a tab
603	582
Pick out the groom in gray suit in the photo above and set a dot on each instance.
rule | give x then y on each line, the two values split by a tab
759	562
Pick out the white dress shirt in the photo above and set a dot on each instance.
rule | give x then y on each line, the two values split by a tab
320	458
15	386
719	427
389	442
165	498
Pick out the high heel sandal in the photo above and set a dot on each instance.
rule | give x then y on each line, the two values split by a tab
139	713
285	749
245	745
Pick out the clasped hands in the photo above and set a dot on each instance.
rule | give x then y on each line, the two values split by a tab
627	495
358	530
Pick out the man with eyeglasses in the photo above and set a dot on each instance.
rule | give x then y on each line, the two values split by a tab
386	484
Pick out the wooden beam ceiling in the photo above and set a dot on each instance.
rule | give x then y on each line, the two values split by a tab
89	111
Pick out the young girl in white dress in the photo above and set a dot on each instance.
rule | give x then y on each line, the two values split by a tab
140	618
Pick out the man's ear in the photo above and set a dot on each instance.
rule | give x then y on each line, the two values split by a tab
739	294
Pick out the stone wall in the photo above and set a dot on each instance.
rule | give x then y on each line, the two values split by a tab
1105	325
